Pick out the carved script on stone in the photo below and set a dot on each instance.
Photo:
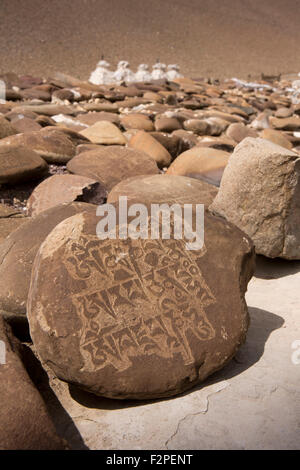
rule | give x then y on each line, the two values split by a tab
145	305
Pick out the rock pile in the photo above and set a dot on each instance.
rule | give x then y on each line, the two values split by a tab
146	317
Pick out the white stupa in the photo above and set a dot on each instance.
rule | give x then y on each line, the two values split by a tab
101	75
143	74
173	72
159	71
123	73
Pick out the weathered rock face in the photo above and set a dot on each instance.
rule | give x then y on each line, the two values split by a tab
144	142
276	137
165	124
54	147
10	220
25	423
91	118
104	132
138	318
6	128
266	208
18	251
137	121
287	124
164	189
110	165
207	163
25	125
19	163
59	189
238	132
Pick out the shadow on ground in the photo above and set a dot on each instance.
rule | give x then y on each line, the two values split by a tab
267	268
263	323
63	423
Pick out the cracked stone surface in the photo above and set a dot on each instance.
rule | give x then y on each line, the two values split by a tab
253	403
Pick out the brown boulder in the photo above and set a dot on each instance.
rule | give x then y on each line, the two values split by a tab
137	121
54	147
207	163
110	165
10	220
238	132
167	124
171	142
25	124
164	189
277	138
104	132
25	422
6	129
198	126
59	189
18	251
286	124
91	118
18	163
146	143
138	319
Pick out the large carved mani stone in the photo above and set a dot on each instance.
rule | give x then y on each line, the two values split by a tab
138	319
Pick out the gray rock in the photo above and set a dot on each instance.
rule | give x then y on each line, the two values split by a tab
260	193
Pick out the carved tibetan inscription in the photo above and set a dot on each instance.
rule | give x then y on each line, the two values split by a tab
140	298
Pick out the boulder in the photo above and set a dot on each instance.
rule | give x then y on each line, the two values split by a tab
45	109
198	126
260	193
110	165
137	121
18	251
91	118
286	124
104	132
19	163
276	137
206	163
164	189
53	146
10	220
284	112
59	189
25	422
25	124
238	131
148	144
138	319
6	128
167	124
171	142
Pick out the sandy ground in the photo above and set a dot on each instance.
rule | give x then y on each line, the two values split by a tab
206	37
253	403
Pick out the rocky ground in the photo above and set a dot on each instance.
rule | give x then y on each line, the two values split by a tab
112	321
